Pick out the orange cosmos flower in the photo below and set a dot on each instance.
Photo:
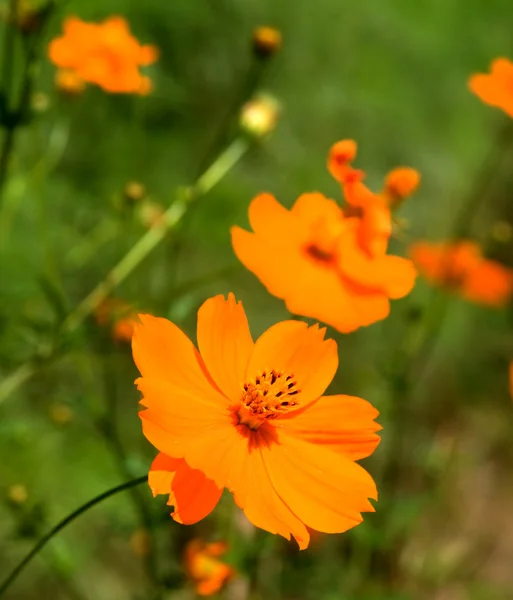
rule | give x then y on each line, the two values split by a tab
105	54
460	266
204	567
250	417
327	263
495	88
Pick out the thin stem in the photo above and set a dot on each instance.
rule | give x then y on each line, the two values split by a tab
228	159
62	524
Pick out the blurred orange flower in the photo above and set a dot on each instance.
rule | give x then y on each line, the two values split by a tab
461	267
327	263
203	566
119	316
251	417
105	54
495	88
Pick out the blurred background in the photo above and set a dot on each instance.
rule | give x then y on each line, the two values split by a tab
393	76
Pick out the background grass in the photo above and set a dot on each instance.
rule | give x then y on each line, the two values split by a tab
391	75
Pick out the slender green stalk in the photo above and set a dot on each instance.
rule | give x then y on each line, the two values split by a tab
226	161
62	524
155	235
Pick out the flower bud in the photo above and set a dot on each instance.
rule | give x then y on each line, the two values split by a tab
134	191
400	183
69	83
259	116
266	41
17	494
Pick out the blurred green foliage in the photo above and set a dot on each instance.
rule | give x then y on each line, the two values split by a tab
391	75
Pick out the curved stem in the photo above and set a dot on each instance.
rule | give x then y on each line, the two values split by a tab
62	524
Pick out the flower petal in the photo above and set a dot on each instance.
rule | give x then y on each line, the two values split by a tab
296	349
174	418
326	490
254	492
163	352
308	289
344	424
162	472
190	492
225	343
270	220
193	495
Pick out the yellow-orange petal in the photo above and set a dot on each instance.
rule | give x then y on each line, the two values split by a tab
293	348
489	283
401	183
225	343
162	471
270	220
325	489
319	292
340	155
190	492
163	352
344	424
314	207
254	492
193	495
179	414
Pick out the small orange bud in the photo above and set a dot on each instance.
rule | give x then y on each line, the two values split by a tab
266	41
134	191
60	413
341	155
69	83
401	183
17	494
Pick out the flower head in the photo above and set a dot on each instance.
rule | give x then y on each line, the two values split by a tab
105	54
325	262
266	41
250	417
460	266
205	568
495	88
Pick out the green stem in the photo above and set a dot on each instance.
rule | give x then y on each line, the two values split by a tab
62	524
228	159
154	236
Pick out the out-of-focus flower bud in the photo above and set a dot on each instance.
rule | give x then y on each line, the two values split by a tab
400	184
259	116
69	83
40	102
150	213
502	232
17	494
61	413
134	191
140	542
266	41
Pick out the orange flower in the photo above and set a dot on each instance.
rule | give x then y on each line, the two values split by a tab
327	263
461	267
105	54
495	88
119	316
251	417
204	567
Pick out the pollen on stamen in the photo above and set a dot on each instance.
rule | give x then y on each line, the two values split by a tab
269	396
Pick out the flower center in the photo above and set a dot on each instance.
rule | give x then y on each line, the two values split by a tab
271	394
324	234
